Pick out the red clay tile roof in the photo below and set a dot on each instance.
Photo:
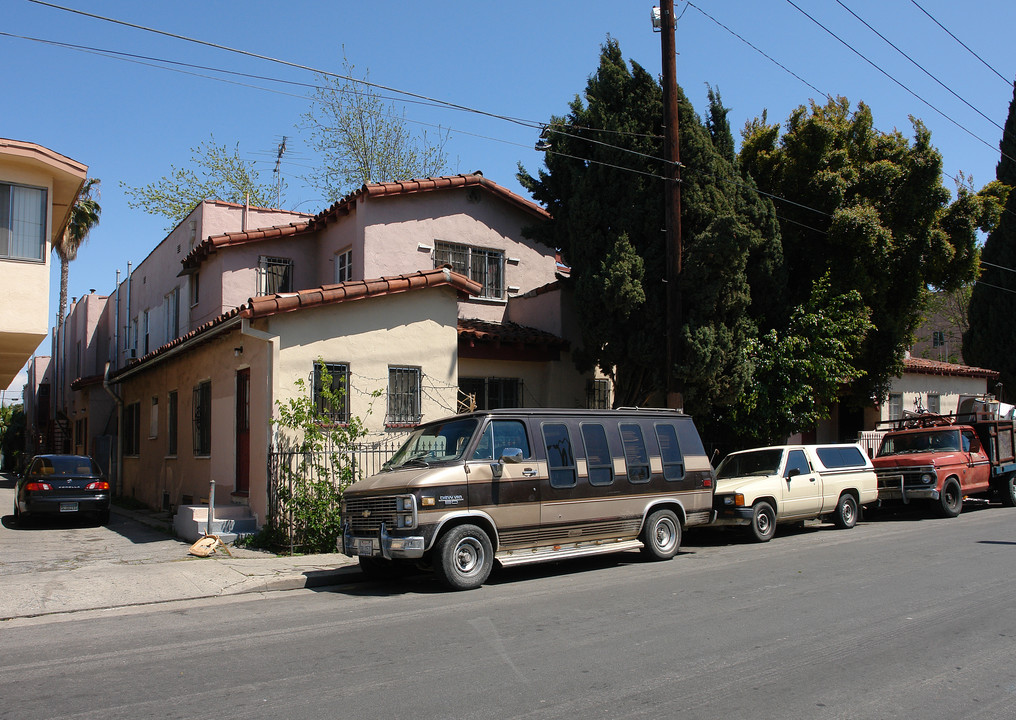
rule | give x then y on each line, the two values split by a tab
406	187
507	334
326	295
211	244
936	367
357	290
345	205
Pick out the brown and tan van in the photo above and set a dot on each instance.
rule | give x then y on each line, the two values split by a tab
529	485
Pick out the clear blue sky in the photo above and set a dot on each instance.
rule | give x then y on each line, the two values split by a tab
130	121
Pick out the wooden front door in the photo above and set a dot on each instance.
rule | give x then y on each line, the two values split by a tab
242	484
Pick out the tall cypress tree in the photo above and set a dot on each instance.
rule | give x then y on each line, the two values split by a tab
990	340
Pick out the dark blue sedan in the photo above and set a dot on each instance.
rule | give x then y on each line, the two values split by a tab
64	485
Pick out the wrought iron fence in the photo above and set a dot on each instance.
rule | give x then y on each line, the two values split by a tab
326	473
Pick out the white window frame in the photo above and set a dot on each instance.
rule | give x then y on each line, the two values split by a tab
343	265
23	219
483	265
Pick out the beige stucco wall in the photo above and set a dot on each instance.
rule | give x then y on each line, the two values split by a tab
153	472
415	329
947	387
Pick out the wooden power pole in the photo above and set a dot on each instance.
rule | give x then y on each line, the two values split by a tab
672	150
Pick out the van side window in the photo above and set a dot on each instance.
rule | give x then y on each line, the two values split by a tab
635	453
797	459
670	449
560	456
598	461
501	434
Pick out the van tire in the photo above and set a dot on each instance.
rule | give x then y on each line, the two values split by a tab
464	557
661	536
763	522
1008	491
950	500
845	516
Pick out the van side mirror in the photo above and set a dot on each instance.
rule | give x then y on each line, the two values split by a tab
511	455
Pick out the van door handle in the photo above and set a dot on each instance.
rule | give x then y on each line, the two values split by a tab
529	472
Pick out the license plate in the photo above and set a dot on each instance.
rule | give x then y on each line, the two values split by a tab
365	547
68	507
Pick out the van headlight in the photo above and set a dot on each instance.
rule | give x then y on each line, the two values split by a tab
405	507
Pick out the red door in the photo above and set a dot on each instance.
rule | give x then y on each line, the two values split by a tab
242	431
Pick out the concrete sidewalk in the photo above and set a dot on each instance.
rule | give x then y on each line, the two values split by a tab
85	581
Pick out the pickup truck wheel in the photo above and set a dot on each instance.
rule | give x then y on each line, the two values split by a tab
845	516
763	522
661	536
464	557
950	500
1008	491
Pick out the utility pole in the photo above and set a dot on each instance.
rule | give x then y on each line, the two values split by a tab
672	202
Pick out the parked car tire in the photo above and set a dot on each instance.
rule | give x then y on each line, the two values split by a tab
1008	491
464	557
661	536
950	501
845	516
763	522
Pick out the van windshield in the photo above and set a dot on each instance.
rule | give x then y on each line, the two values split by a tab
435	443
756	462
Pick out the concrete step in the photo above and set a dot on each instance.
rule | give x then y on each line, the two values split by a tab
230	522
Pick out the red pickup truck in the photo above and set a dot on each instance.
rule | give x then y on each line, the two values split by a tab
944	458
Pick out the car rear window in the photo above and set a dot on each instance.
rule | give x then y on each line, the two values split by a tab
840	457
64	466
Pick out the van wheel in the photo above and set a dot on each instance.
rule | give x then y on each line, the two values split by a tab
845	516
463	557
950	501
1008	491
763	522
661	536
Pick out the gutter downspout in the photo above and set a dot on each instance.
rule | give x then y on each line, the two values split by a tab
270	381
119	429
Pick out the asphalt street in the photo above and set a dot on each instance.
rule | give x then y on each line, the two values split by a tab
901	617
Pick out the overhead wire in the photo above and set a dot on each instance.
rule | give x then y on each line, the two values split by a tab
950	34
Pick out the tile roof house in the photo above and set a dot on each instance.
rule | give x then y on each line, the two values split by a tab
422	297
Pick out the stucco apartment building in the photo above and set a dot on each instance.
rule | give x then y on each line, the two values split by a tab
38	188
420	296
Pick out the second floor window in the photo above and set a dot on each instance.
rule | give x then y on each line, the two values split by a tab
478	264
938	338
344	265
173	314
22	222
275	275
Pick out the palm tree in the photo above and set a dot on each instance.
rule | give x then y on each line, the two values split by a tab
84	216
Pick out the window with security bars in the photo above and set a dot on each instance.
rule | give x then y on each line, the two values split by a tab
275	275
493	392
335	407
478	264
598	394
202	408
403	396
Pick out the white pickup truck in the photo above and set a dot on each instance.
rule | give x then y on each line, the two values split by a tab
790	483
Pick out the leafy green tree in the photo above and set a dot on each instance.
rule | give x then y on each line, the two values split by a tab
871	213
12	436
84	216
990	341
215	172
603	187
362	139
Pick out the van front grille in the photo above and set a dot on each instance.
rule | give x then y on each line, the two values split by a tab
365	514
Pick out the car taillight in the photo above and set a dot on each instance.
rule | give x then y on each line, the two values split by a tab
99	485
37	486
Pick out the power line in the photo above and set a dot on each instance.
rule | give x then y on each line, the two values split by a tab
918	65
949	33
884	72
